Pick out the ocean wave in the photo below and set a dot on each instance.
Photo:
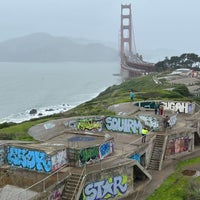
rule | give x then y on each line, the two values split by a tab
38	113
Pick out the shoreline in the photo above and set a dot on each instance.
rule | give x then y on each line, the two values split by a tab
38	113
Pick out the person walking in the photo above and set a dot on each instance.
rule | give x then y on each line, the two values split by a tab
132	96
161	109
166	122
156	108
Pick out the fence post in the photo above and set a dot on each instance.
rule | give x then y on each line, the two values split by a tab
57	177
44	189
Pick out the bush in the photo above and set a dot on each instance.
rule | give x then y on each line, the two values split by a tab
182	90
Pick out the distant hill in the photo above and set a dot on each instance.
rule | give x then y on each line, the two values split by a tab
42	47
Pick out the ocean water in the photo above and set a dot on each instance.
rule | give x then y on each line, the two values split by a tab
51	87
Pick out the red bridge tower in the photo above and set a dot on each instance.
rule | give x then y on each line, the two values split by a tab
132	64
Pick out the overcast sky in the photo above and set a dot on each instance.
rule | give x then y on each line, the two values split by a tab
166	24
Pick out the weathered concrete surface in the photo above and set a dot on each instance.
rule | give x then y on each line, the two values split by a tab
10	192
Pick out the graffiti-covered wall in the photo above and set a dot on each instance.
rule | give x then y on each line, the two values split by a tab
184	107
34	159
93	124
98	152
125	125
173	120
110	187
56	194
149	121
179	144
143	154
116	182
2	155
59	159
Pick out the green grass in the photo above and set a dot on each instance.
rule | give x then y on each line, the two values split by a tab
19	131
177	186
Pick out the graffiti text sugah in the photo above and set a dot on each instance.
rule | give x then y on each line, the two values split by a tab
184	107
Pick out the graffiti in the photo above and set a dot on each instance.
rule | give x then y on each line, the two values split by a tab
70	124
49	125
183	107
173	120
88	154
132	126
105	149
59	160
135	157
30	159
56	195
146	104
2	155
177	145
149	121
89	124
96	152
105	189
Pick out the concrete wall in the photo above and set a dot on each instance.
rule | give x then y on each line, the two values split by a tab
179	143
35	160
2	155
92	124
91	154
114	183
143	154
23	178
123	125
183	107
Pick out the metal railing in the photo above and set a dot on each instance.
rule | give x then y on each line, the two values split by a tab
79	186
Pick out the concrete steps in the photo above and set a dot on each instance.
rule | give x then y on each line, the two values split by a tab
157	153
71	186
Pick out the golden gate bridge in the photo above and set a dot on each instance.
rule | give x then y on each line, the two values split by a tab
132	64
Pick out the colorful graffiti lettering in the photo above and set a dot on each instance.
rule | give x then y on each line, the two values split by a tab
30	159
132	126
149	121
105	189
177	145
59	160
173	120
56	195
105	149
135	157
88	154
89	124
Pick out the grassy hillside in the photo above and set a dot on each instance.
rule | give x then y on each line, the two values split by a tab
144	87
